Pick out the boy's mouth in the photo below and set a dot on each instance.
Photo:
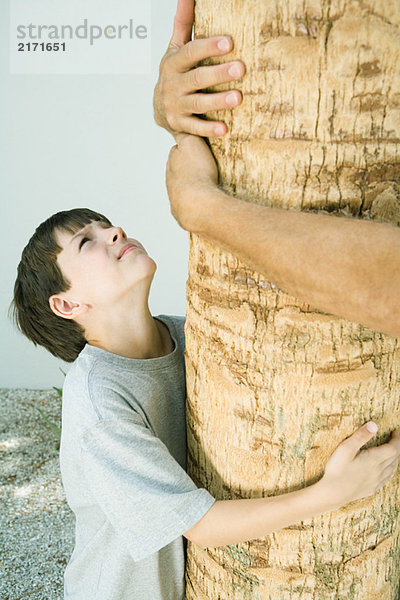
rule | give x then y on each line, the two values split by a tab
125	249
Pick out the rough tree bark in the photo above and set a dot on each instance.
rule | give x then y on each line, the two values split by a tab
274	384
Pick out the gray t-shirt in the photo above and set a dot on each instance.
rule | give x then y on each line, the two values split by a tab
123	461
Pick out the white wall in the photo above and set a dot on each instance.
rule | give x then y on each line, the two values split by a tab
83	140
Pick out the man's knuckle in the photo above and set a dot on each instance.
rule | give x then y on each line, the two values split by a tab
196	78
197	105
222	73
172	122
167	103
198	128
189	51
165	66
159	90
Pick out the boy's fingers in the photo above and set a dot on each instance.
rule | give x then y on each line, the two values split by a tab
197	50
183	23
201	103
390	451
203	128
205	77
390	462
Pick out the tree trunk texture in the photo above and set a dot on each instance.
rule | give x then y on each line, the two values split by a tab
274	385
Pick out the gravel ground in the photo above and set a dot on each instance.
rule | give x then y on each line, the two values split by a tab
36	524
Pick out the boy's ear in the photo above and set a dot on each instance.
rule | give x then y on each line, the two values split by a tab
67	309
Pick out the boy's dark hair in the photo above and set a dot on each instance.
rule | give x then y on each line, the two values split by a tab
39	277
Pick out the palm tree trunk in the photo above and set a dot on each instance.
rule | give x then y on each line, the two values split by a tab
274	384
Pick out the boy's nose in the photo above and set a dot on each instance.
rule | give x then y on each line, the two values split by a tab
115	234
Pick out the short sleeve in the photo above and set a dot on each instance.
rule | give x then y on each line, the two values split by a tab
143	491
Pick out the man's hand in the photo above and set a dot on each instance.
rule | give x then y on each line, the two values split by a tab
176	96
191	174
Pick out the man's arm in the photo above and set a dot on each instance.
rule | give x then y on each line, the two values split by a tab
346	267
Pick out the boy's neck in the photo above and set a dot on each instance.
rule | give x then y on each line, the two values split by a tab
140	336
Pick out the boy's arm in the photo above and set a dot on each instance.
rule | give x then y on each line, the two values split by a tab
234	521
176	95
349	475
342	266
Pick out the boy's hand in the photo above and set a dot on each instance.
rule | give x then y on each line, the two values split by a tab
191	172
176	98
351	474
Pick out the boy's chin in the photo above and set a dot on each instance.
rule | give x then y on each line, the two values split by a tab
152	262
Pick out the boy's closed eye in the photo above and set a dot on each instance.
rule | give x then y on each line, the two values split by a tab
83	240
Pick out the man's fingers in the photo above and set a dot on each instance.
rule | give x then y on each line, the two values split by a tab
183	23
202	128
201	103
205	77
195	51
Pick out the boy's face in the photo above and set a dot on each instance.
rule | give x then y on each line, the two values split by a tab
103	266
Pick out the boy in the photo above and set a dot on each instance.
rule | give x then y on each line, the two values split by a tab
82	292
